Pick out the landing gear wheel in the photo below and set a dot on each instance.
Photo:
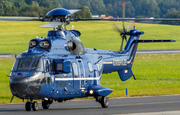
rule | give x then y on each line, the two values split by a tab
45	104
28	106
35	106
104	102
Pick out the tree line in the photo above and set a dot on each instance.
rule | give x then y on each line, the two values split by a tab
134	8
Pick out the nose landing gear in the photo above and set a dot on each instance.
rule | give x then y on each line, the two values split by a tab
104	101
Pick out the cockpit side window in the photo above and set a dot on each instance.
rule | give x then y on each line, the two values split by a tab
15	65
75	69
37	65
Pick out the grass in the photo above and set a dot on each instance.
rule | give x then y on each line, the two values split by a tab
15	36
155	74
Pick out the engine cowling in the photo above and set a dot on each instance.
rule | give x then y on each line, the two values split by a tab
75	47
74	44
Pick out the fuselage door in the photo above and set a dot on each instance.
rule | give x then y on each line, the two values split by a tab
48	75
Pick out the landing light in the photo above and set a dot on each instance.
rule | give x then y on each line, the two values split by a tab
91	92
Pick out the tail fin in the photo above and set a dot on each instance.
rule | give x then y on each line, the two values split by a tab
131	47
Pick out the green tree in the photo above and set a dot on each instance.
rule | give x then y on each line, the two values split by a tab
174	14
33	11
19	3
49	3
35	3
1	9
84	13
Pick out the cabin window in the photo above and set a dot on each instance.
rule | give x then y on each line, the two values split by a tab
59	66
98	68
24	64
90	67
48	80
75	69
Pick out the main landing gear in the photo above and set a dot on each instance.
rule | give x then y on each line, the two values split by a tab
34	105
104	101
46	103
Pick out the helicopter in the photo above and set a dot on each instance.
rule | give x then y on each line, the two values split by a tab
59	67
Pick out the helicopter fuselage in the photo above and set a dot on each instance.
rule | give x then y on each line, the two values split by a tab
60	68
50	69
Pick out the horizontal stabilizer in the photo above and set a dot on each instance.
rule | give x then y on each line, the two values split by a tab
125	74
149	41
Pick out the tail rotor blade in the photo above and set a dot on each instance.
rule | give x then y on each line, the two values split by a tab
117	28
122	42
125	38
130	26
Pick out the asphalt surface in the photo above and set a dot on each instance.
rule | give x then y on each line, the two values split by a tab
129	105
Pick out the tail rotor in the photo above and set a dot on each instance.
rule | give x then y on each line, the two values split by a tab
125	31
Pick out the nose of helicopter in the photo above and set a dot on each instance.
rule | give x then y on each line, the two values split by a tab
18	84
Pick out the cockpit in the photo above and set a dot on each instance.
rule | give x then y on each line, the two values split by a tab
29	64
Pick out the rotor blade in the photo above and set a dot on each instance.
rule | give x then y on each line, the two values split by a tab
129	19
12	99
117	28
52	24
74	10
20	19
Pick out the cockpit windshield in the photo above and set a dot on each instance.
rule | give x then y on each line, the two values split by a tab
28	65
24	64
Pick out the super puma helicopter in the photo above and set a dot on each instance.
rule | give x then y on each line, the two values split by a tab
60	68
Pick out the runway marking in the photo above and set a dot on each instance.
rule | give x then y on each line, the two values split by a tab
147	103
137	104
86	107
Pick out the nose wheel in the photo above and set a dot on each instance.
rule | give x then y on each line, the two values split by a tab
30	105
104	102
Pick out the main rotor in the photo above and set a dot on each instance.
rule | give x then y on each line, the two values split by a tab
58	17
